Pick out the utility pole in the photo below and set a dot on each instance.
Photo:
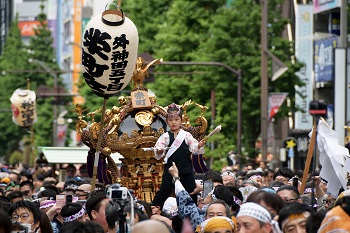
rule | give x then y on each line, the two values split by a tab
264	81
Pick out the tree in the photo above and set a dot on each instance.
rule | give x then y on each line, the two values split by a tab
15	59
16	157
237	44
43	56
186	28
148	16
234	40
211	31
178	39
12	59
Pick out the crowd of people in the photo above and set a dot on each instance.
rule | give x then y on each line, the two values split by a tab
240	200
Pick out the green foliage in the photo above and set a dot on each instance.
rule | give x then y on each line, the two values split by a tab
187	24
208	31
43	55
16	157
148	16
13	58
19	63
175	30
221	145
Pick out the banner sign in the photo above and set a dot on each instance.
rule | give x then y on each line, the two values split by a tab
304	47
325	5
275	102
27	27
324	59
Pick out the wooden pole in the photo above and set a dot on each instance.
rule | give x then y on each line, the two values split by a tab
309	157
98	148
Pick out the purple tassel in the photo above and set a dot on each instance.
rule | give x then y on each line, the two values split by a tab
104	174
90	162
100	169
198	164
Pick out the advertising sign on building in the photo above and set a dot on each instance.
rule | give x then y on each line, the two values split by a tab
27	27
324	59
5	18
78	4
325	5
51	19
304	47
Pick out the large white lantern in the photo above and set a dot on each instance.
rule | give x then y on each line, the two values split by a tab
23	107
109	52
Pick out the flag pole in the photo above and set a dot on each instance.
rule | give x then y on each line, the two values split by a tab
309	157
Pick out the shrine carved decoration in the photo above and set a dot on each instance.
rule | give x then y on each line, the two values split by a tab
135	124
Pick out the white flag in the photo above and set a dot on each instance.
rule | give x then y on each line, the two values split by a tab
334	158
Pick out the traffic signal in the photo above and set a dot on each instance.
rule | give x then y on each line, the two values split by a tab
318	109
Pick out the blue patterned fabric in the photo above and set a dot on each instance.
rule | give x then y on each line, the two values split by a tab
56	225
188	209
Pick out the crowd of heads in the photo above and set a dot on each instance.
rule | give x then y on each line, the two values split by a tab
240	200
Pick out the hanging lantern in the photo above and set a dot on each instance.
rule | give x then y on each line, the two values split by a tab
109	52
23	107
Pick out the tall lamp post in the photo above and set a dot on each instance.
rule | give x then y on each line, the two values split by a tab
55	110
238	74
264	82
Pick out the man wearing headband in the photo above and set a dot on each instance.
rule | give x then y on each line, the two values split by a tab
218	224
82	192
288	193
176	145
293	217
228	177
318	187
257	177
253	218
72	212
